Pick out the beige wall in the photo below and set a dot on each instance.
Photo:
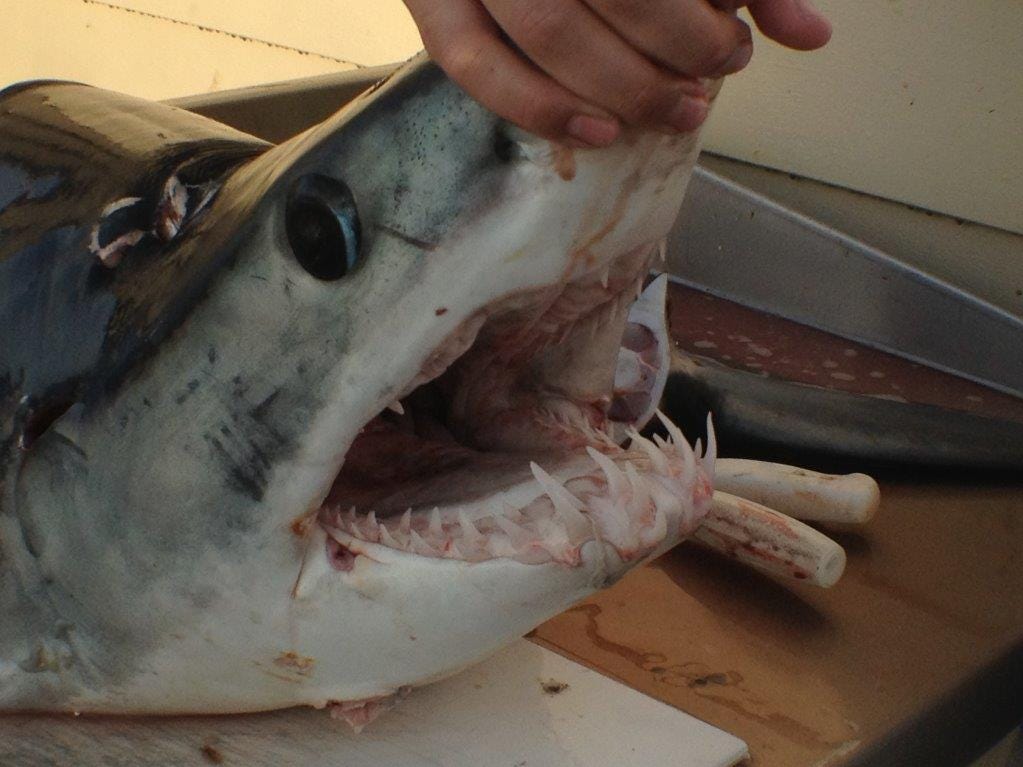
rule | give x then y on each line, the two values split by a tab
917	100
141	54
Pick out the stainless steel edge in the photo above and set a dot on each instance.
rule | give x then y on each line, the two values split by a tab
740	245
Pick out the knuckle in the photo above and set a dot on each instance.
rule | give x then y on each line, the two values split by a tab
538	113
647	103
534	119
626	9
712	54
461	59
531	114
540	24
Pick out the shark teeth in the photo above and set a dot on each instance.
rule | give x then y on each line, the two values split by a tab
638	488
654	453
436	527
389	540
575	522
674	432
712	449
470	535
518	536
616	480
558	493
630	499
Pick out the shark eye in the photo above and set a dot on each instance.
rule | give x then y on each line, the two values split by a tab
322	224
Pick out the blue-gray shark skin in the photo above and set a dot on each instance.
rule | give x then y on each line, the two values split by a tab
211	498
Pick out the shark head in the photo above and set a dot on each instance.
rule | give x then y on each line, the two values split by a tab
352	420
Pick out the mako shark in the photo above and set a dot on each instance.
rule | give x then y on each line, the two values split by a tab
313	423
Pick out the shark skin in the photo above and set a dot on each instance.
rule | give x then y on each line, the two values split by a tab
314	423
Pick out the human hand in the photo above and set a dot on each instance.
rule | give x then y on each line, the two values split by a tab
575	70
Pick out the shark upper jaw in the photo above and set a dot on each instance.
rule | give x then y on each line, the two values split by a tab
502	447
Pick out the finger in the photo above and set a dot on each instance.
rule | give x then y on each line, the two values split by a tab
793	23
687	36
575	47
464	41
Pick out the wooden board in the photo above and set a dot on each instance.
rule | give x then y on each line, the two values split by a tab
526	706
914	658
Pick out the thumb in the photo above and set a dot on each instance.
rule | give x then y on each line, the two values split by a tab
793	23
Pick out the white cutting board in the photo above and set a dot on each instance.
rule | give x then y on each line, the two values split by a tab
497	714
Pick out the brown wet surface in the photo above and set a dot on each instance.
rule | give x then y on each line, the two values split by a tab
757	342
932	593
931	596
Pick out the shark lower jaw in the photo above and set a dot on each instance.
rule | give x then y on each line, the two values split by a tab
502	448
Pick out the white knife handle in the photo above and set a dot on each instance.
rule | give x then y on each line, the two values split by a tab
762	538
800	493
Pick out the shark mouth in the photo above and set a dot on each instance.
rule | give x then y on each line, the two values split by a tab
518	440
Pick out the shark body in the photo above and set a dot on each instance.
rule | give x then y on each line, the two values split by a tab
313	423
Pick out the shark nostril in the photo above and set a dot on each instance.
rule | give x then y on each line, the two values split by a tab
322	225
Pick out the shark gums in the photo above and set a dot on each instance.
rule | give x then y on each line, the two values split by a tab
310	424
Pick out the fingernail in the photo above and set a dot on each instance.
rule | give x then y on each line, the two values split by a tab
809	10
739	59
595	131
688	114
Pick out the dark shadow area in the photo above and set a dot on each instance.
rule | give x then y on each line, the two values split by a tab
704	573
840	433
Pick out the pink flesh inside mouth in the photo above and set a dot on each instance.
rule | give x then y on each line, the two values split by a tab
502	448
